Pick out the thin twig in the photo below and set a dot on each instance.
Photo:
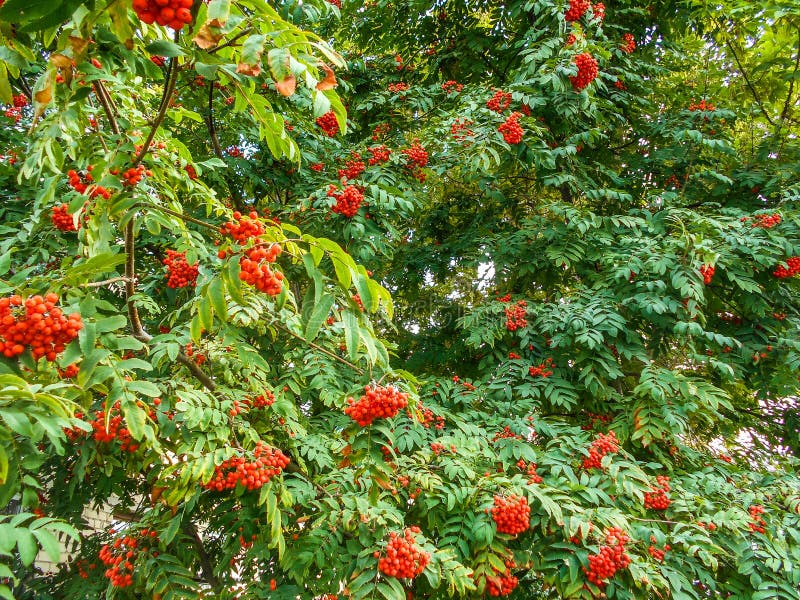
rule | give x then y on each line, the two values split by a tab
212	128
105	282
231	41
180	216
358	370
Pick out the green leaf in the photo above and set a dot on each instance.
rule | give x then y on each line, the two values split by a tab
318	316
164	48
26	545
351	333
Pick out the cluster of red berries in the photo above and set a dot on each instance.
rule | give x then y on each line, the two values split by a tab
620	85
757	523
115	430
181	273
196	356
266	463
329	123
234	151
120	556
544	369
243	227
793	264
416	155
594	419
599	11
398	88
317	166
336	3
658	498
764	221
255	269
629	43
530	470
657	554
69	372
506	433
502	583
376	403
511	514
191	172
515	316
62	219
702	105
460	129
499	102
403	559
133	176
37	323
353	167
452	87
587	71
19	101
428	419
511	129
83	566
602	445
576	9
380	130
348	200
611	558
81	182
170	13
707	271
378	154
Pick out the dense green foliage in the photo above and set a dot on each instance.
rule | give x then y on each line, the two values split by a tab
625	267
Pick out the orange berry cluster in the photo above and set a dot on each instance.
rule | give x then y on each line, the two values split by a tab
499	102
658	499
115	431
460	129
318	167
511	129
83	566
380	130
263	401
69	372
594	419
133	175
452	87
376	403
243	227
657	554
62	220
587	71
196	356
403	557
511	514
530	470
602	445
611	558
36	323
503	582
428	419
702	105
542	370
707	271
576	9
629	44
328	123
782	272
255	269
81	182
758	524
515	315
506	434
764	221
417	158
267	463
181	273
353	167
398	88
121	555
378	154
170	13
348	200
599	11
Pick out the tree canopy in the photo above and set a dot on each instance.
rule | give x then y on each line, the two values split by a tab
377	299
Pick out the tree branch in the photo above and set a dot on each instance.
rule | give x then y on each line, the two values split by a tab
320	348
749	85
205	560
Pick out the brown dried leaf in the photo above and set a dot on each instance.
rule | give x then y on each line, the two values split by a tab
330	79
61	61
384	483
206	38
44	95
79	46
287	86
245	69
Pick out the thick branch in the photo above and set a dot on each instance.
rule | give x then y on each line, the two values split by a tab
169	89
205	560
105	101
130	284
199	374
749	85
